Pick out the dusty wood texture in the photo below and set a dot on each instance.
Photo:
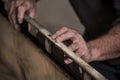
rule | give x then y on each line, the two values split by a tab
22	60
96	75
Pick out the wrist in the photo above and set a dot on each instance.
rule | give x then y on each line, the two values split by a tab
94	52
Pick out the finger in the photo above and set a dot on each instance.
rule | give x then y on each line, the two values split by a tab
12	8
21	12
18	4
59	32
14	21
12	15
66	36
73	47
68	61
31	12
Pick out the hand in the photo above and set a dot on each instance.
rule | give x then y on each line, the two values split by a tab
78	43
17	9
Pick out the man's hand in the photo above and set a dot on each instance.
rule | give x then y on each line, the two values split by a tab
17	9
78	43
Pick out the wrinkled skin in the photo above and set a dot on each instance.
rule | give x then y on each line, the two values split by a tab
16	10
78	45
102	48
